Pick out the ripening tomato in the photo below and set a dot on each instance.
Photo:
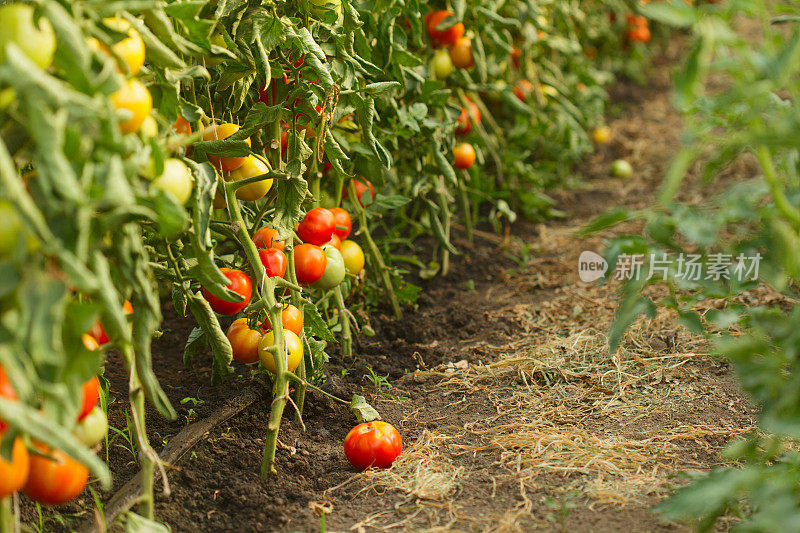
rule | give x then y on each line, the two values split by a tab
218	132
334	269
444	37
130	49
639	34
93	428
353	257
601	135
294	350
335	241
461	53
344	224
99	333
317	226
176	180
522	89
361	185
274	262
14	473
516	53
373	444
244	341
6	391
240	284
463	156
57	480
135	102
267	238
469	114
441	65
91	395
182	126
309	263
292	319
251	168
34	39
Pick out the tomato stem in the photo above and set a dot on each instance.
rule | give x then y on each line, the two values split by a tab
6	516
300	381
344	320
374	253
300	392
444	207
465	204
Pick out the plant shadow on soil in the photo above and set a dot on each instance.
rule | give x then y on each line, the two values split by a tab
516	417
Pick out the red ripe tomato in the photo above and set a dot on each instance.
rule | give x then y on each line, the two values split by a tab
447	37
309	263
99	333
274	262
317	226
13	474
244	341
361	186
91	395
267	238
516	53
468	115
344	223
373	444
639	34
336	242
461	53
6	391
326	168
240	284
292	319
463	156
522	89
57	480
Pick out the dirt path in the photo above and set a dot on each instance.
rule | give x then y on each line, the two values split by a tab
513	414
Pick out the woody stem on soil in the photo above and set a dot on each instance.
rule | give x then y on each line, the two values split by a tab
300	391
344	320
374	253
278	350
443	205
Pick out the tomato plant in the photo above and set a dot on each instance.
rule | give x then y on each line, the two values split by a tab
239	283
373	444
251	168
220	132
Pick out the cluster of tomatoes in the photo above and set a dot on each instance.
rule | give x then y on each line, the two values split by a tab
49	476
638	30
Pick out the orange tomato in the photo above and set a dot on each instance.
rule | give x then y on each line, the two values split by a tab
244	341
14	473
463	156
267	238
447	37
461	53
91	395
57	480
134	99
522	89
217	133
6	391
292	320
182	126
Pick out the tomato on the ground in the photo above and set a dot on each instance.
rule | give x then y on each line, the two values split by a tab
37	40
14	473
252	167
292	319
135	101
91	395
343	222
294	350
93	428
445	37
267	238
219	132
317	226
274	262
373	444
240	284
463	156
461	53
334	269
54	481
309	263
244	341
353	257
176	180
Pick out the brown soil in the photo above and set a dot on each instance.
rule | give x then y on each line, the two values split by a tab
516	418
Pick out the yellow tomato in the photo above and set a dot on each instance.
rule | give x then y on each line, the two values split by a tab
353	257
251	168
218	132
601	135
35	40
176	180
294	350
130	49
134	99
149	127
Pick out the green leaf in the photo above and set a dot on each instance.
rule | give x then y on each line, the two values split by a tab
220	345
362	410
678	14
606	220
195	344
315	325
291	193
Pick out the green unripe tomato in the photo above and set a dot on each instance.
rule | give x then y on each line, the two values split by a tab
441	64
176	180
334	269
621	169
36	40
92	429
